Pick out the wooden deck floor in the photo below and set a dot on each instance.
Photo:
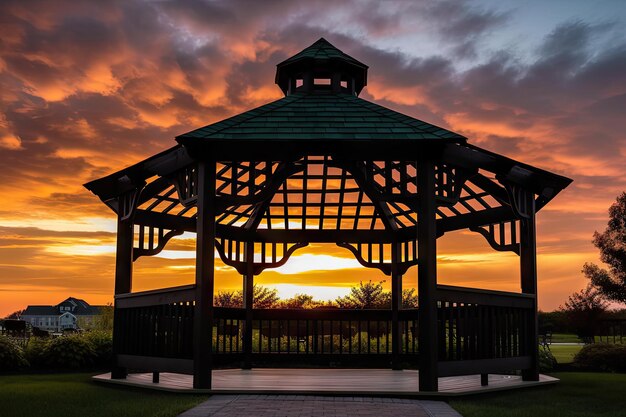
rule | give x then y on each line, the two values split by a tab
379	382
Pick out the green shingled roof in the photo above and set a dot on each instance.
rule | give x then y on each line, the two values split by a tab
319	116
322	49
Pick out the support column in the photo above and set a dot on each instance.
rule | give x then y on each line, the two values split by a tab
427	277
205	271
396	305
123	285
248	301
528	274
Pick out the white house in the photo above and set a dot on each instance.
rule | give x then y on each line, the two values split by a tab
72	313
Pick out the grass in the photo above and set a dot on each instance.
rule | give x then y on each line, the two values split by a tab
565	338
70	395
564	353
577	395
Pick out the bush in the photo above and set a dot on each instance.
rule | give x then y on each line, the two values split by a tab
602	357
102	344
547	361
11	355
71	352
35	351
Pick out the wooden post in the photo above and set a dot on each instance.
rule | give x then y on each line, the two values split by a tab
123	285
427	277
396	304
528	274
205	260
484	380
248	301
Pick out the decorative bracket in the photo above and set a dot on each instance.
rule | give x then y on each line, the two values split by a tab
497	238
376	258
232	253
449	183
127	203
186	183
146	246
522	200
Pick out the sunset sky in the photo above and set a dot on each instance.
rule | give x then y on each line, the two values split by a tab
89	87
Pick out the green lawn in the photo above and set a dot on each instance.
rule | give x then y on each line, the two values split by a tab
564	353
565	338
70	395
577	395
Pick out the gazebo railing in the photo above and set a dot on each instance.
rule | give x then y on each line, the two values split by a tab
314	332
486	330
479	331
155	324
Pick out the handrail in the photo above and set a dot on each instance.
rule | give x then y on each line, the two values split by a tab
183	293
453	294
314	314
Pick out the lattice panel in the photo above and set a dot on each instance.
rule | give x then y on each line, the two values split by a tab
266	255
151	240
320	196
393	177
245	178
472	199
236	215
167	202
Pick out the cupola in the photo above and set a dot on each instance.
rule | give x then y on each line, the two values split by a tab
321	67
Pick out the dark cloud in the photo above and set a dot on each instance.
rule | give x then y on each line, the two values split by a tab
463	24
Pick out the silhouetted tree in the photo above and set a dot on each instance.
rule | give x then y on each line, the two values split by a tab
611	283
583	309
15	315
299	301
409	298
263	297
104	320
368	295
228	299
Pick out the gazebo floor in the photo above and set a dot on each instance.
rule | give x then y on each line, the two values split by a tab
344	382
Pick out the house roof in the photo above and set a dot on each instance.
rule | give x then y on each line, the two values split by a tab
81	308
40	311
321	115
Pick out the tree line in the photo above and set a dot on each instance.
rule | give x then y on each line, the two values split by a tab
582	310
365	295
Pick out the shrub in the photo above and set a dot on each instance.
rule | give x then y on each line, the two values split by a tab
35	351
102	344
603	357
547	361
11	355
71	352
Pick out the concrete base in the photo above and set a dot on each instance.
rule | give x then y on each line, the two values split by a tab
342	382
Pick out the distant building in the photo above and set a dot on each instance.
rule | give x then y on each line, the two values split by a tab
73	313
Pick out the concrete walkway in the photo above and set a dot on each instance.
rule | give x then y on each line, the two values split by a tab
317	406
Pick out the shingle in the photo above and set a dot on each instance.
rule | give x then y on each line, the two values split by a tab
322	115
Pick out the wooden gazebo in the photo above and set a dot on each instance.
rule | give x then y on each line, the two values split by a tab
323	165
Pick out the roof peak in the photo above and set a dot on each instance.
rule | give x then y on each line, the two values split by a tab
323	62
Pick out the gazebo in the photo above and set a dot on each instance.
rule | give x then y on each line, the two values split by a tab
323	165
